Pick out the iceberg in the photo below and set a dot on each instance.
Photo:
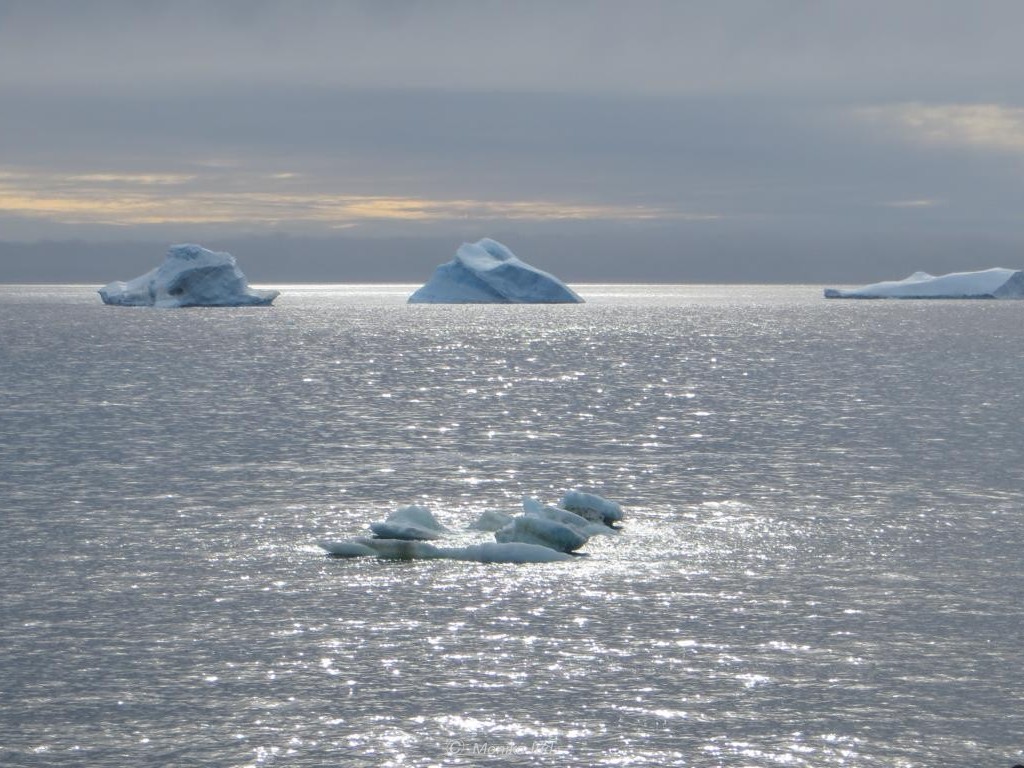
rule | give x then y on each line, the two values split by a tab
411	523
190	276
486	272
995	283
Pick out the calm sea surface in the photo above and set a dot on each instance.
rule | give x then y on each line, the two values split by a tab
820	565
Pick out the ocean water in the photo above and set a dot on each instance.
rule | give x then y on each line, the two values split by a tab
820	564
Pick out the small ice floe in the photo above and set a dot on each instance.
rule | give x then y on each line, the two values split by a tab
580	524
489	552
530	529
549	526
542	533
592	507
411	523
491	520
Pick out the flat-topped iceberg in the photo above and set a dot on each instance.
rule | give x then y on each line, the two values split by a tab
190	276
486	272
987	284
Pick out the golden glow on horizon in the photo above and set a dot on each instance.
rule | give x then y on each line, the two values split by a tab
982	126
166	198
921	203
132	178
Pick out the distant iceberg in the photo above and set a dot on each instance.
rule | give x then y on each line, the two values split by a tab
486	272
190	276
986	284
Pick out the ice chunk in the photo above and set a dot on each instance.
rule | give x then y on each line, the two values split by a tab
491	520
592	507
412	523
348	548
579	524
530	529
486	272
386	549
190	276
995	283
491	552
509	552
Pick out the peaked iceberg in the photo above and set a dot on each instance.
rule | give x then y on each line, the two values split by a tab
987	284
486	272
190	276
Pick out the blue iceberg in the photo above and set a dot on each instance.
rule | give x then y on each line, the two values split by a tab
190	276
486	272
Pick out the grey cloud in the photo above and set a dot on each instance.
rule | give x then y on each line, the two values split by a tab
753	112
594	45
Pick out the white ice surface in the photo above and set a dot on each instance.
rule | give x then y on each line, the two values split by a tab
190	276
994	283
487	272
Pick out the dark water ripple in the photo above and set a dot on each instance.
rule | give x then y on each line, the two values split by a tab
820	565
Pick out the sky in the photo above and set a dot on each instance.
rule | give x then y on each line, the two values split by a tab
637	141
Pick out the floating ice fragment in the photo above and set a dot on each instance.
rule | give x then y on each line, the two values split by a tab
491	520
530	529
592	507
509	552
392	549
542	534
412	523
579	524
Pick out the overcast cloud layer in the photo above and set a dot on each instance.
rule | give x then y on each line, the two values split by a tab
614	141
